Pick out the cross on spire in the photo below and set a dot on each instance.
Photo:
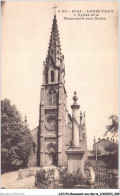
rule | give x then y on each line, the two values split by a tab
55	7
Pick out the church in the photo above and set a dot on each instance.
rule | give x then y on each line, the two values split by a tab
54	134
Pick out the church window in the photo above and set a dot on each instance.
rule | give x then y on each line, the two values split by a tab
54	98
46	76
50	98
52	76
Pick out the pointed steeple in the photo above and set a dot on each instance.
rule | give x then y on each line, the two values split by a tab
54	59
54	50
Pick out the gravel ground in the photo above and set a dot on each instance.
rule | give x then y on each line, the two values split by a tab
9	181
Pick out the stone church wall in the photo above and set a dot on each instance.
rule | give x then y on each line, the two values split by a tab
33	157
67	137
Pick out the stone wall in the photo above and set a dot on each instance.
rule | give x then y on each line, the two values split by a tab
24	173
67	137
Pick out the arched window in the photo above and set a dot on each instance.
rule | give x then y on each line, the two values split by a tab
50	98
54	98
52	76
46	76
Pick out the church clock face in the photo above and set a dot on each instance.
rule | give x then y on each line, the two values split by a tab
50	123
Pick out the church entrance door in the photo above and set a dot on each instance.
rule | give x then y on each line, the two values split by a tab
51	155
52	159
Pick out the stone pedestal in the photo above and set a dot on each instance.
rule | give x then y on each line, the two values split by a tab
74	152
75	160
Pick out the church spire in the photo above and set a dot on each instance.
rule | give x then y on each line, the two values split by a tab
54	49
55	59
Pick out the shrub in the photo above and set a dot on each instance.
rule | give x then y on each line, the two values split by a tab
95	164
112	160
113	180
41	181
41	174
70	180
62	170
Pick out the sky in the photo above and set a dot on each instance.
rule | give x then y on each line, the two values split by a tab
90	48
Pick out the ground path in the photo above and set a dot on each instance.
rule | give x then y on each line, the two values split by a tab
10	181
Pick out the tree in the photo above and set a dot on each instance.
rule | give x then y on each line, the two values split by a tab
113	128
16	140
112	147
